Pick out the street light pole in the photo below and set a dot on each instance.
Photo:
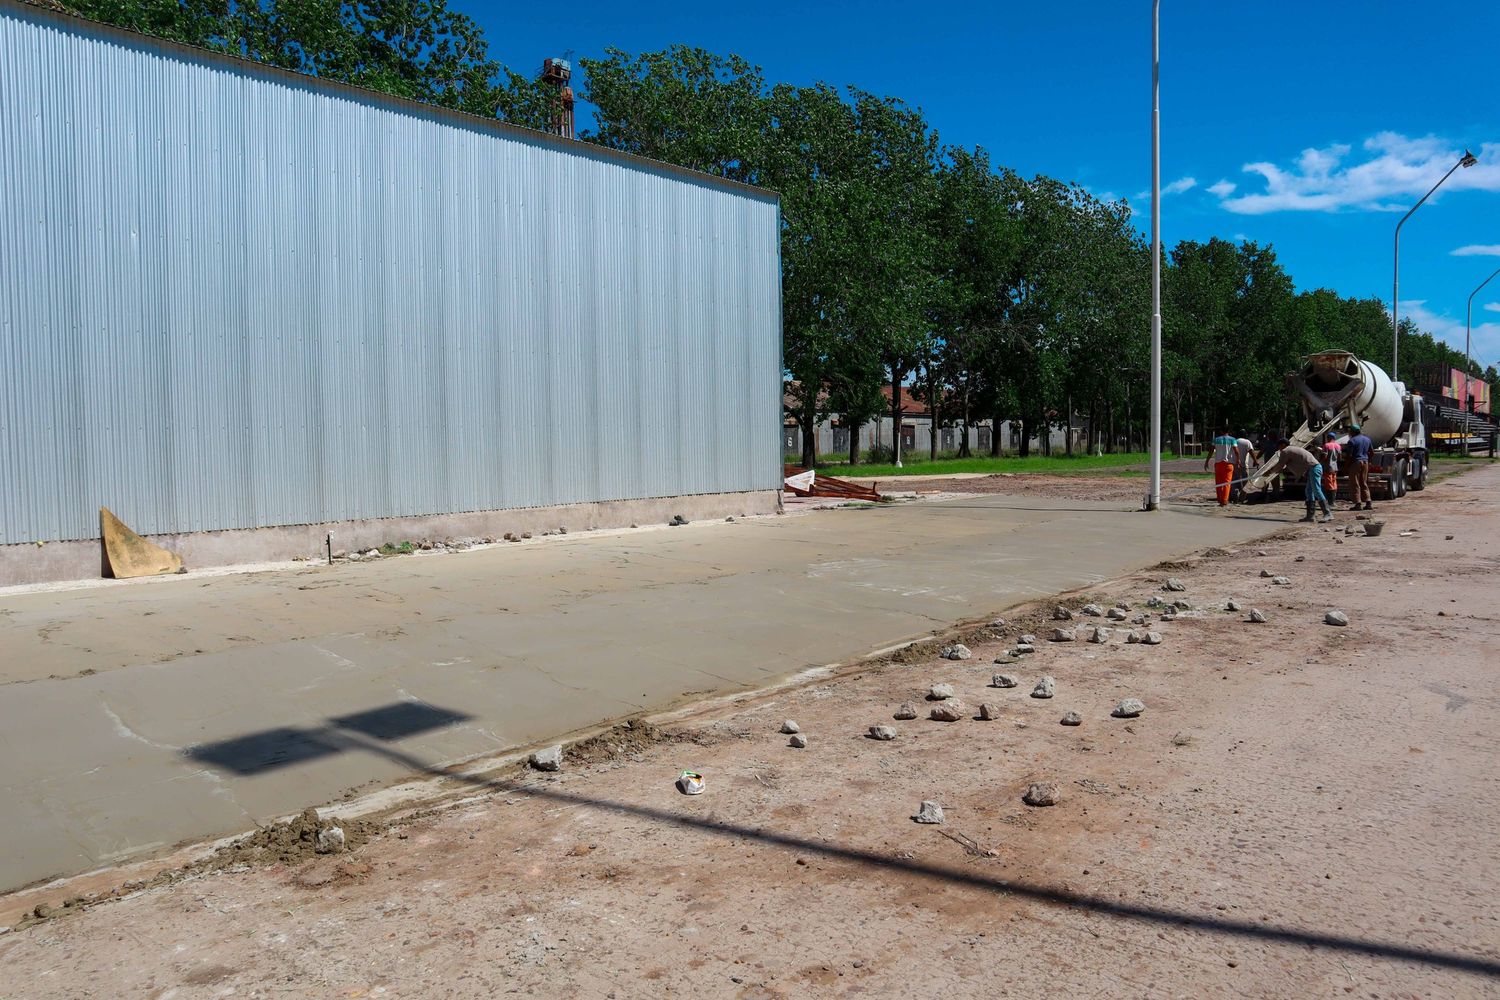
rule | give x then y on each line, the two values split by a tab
1468	355
1467	160
1153	501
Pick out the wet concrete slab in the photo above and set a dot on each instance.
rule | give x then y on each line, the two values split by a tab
138	716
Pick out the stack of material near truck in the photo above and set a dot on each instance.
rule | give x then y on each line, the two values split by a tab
810	483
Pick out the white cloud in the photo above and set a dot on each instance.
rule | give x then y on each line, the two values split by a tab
1240	238
1389	173
1493	307
1477	250
1222	189
1178	186
1486	339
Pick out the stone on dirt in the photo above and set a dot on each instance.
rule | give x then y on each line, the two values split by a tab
1092	610
1175	585
1101	635
906	711
1003	681
1041	793
1063	635
1072	719
330	840
1151	639
1045	688
1133	636
1265	574
1231	605
790	727
549	759
1027	640
940	692
1257	616
1115	615
1153	601
1129	708
1139	620
988	712
883	732
1061	614
1336	617
947	711
957	651
1281	581
798	740
1022	648
929	812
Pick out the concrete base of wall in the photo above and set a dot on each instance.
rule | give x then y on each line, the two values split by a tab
78	560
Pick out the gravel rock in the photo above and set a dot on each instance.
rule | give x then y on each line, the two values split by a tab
929	812
988	712
1132	637
1041	794
1300	559
1139	620
906	711
1072	719
1129	708
957	651
1280	581
882	733
1265	574
1122	605
947	711
1153	601
798	740
1257	616
998	623
1100	636
1027	640
1151	639
330	840
1063	635
1336	617
549	759
1061	614
1022	648
1045	688
1175	585
1003	681
1231	605
1182	606
940	692
1092	610
789	727
1115	615
1260	552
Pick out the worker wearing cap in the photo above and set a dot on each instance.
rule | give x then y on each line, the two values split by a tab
1243	449
1358	451
1223	454
1301	462
1332	452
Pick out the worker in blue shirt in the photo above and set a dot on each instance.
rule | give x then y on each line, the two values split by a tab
1357	451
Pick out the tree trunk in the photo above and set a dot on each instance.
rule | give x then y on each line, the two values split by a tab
808	419
854	443
1025	448
1177	411
1068	431
896	412
995	433
963	442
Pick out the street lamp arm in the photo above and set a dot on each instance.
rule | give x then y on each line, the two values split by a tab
1467	160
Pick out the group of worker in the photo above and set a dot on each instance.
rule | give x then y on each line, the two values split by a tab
1232	456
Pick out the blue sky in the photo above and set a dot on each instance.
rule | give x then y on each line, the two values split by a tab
1311	126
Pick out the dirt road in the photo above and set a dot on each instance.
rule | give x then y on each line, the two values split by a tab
1302	810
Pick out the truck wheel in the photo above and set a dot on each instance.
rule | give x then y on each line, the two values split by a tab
1419	480
1398	479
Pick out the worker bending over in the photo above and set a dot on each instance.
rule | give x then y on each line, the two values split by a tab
1301	462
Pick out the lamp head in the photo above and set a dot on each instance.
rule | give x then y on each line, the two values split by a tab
1469	159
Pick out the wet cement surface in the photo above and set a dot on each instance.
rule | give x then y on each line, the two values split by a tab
138	716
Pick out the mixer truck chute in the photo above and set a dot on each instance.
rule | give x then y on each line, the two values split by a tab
1337	391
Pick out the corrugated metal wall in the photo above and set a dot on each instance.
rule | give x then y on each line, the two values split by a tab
235	298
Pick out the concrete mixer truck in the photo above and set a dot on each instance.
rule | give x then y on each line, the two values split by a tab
1337	390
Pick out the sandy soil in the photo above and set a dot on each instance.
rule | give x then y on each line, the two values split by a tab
1126	489
1302	810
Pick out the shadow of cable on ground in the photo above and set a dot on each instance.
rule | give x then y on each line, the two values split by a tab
371	730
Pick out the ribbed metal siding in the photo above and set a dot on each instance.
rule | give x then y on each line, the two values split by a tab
234	299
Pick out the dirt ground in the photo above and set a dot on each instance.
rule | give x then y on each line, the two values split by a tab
1126	489
1302	810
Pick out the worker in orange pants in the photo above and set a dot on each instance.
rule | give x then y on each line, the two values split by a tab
1223	455
1331	453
